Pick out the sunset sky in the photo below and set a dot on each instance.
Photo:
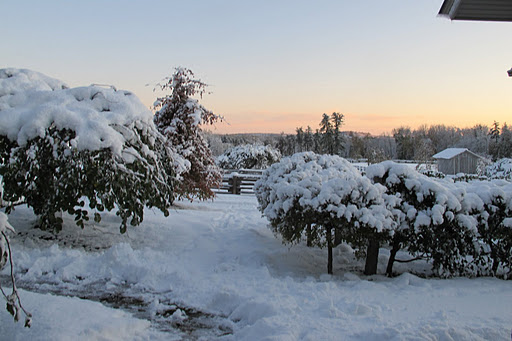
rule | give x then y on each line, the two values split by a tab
276	65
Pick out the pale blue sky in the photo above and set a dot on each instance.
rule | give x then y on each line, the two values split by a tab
277	65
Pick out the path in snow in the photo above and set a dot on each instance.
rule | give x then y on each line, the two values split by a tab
215	270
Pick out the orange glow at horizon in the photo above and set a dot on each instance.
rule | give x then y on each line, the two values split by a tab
374	124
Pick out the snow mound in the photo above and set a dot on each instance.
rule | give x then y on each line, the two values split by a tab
13	81
34	102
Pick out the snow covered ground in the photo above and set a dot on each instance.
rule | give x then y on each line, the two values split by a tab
213	270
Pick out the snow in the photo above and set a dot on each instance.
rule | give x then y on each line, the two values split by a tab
220	258
31	102
318	183
68	318
249	156
13	81
449	153
501	169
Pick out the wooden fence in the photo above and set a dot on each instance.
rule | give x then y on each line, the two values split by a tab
239	181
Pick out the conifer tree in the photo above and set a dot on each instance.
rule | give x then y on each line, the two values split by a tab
179	118
337	121
505	141
494	133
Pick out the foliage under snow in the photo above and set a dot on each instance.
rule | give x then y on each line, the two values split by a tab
314	195
58	145
501	169
249	156
463	228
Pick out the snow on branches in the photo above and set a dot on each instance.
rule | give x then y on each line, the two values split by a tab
463	228
315	196
501	169
179	118
249	156
59	145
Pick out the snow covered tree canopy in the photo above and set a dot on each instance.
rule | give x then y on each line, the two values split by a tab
323	192
321	183
93	113
58	145
249	156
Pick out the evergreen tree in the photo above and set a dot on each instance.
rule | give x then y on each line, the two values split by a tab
506	141
300	139
179	118
337	121
494	134
308	139
327	131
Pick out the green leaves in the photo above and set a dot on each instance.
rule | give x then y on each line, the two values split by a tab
54	177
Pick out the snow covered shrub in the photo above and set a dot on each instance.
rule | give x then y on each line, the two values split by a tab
429	216
490	203
316	196
179	118
501	169
249	156
61	149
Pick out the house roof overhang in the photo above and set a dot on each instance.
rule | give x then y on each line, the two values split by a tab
481	10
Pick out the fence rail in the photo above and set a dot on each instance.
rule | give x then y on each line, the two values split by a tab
239	181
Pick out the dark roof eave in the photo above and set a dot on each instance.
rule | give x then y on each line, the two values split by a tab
477	10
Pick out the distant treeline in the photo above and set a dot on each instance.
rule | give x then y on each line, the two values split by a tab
403	143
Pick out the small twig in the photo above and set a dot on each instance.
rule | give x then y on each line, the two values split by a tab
14	288
10	260
3	292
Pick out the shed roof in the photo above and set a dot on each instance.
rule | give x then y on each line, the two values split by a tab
483	10
450	153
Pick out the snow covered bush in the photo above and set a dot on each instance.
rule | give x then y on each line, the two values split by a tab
430	220
501	169
322	197
61	149
490	203
179	118
249	156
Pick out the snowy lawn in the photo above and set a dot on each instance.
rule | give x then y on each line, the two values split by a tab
213	270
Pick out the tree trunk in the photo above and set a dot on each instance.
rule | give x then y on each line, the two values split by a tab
372	257
495	260
329	250
392	257
337	237
309	237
